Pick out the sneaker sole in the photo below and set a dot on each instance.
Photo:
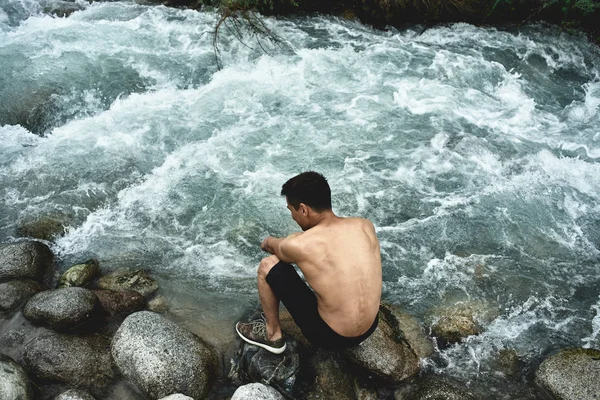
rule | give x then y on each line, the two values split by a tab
274	350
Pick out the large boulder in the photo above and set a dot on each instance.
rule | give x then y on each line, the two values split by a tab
120	302
129	280
14	383
162	358
407	328
13	293
331	380
64	308
571	374
256	391
27	259
79	361
385	354
75	394
44	228
80	274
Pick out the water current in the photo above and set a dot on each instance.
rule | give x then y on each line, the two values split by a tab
475	151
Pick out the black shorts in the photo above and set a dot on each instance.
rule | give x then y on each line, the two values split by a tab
301	302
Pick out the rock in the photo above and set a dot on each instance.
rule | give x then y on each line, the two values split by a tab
79	361
44	228
407	327
129	280
64	308
177	396
162	358
331	379
28	259
75	394
120	302
14	383
256	391
62	8
507	362
158	304
363	393
13	293
571	374
80	274
385	354
433	388
254	364
451	324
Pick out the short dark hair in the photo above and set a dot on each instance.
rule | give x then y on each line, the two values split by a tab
310	188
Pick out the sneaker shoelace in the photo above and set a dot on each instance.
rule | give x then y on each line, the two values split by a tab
259	327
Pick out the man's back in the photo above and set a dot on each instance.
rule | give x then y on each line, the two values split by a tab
341	261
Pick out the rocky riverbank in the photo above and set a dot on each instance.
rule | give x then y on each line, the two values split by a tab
577	15
97	337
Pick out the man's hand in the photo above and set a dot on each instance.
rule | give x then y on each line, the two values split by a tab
265	245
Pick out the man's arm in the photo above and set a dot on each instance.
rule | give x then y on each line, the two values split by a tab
284	248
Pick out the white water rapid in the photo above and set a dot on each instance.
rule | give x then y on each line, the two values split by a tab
475	152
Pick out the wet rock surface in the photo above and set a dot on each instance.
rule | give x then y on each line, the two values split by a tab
13	293
406	327
434	388
75	394
44	228
28	259
138	281
386	354
80	274
451	324
14	382
64	308
331	379
120	302
80	361
256	391
571	374
254	364
162	358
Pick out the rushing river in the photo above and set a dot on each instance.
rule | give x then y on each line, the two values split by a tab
475	152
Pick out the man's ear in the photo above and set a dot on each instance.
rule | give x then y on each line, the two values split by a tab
303	209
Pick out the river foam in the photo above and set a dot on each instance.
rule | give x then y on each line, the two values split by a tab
473	150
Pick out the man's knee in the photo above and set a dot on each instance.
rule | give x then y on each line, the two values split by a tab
266	264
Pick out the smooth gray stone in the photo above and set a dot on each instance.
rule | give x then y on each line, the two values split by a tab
571	374
80	361
256	391
75	394
29	259
14	383
13	293
61	308
177	396
161	358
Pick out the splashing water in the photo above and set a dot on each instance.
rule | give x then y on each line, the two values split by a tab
473	150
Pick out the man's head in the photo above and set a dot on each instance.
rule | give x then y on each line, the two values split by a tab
306	194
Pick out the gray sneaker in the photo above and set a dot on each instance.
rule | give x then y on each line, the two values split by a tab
255	333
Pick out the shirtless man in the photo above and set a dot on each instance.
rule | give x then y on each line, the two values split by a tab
339	258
